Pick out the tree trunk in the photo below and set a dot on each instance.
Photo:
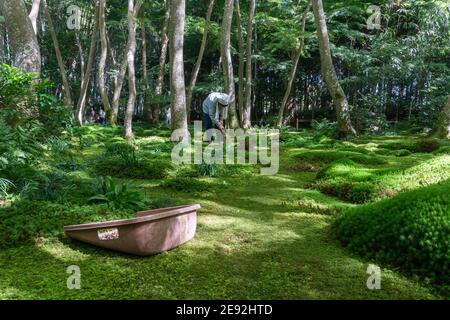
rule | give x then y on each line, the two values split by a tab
131	71
162	59
120	77
34	14
118	83
102	64
80	52
147	107
241	69
227	63
79	115
248	78
177	86
443	124
27	55
198	63
293	72
339	99
62	69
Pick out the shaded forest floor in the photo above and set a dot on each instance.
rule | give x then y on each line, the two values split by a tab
258	237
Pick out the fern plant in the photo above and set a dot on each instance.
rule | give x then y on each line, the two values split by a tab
5	185
117	195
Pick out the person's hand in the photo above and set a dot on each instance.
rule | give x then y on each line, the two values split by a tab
221	128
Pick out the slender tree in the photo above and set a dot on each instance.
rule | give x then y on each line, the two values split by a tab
293	71
79	114
102	64
129	112
147	107
329	73
162	60
27	55
198	63
177	86
120	77
34	14
62	69
248	78
241	68
227	63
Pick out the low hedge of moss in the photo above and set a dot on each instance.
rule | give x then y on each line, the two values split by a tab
411	231
141	169
358	183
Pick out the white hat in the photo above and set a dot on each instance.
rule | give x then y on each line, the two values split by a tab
224	99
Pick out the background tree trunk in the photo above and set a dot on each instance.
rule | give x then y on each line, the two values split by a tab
131	71
62	69
241	68
329	73
102	64
248	78
162	60
120	77
27	55
148	114
177	86
34	14
198	63
227	63
293	72
79	115
443	125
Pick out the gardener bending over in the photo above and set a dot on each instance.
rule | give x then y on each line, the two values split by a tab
214	111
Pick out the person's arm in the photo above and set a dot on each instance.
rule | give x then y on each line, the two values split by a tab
213	110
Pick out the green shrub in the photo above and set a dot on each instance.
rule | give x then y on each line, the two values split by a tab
117	195
186	184
323	128
322	157
25	100
142	169
427	145
395	153
352	191
403	143
5	185
410	230
126	151
162	202
222	170
27	220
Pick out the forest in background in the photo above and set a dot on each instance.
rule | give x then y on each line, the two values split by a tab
396	72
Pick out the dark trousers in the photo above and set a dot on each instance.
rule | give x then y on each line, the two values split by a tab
208	124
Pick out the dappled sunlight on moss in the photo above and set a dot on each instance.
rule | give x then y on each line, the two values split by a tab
258	237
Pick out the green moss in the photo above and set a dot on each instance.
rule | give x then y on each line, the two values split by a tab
359	184
427	145
410	230
258	237
27	221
